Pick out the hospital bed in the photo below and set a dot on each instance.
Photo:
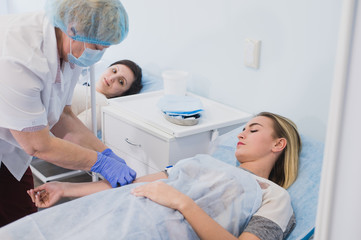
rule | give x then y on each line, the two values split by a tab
304	195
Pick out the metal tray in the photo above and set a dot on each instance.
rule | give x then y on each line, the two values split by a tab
182	122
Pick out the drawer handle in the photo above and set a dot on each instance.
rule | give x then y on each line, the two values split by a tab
133	144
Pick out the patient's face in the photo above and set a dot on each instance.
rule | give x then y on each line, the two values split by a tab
116	80
256	141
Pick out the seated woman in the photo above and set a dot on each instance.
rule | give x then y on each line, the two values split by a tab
121	78
268	151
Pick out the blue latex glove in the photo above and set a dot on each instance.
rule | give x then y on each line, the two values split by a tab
109	153
116	172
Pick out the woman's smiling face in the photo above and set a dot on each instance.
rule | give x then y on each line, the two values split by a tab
115	81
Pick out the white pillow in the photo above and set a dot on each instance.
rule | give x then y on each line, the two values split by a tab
151	82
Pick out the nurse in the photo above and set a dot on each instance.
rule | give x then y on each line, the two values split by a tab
41	56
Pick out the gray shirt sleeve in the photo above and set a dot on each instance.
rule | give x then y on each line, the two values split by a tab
266	229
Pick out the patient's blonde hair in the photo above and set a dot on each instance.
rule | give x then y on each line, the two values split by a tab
285	170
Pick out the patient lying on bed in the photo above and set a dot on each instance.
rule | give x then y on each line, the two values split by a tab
121	78
217	200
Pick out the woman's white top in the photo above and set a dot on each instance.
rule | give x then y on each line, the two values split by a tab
275	218
34	89
81	105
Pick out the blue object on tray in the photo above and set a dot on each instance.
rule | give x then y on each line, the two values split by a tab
180	105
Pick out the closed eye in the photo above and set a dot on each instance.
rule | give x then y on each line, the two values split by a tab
252	131
253	127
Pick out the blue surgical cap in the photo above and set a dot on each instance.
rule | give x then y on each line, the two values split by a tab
103	22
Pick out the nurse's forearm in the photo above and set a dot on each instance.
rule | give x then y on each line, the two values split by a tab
67	155
70	128
55	150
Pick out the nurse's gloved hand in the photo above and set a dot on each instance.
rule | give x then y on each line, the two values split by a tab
109	153
117	173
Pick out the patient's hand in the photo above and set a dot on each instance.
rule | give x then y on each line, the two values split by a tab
163	194
151	177
47	194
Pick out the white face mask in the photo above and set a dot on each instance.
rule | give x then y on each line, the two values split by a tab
87	58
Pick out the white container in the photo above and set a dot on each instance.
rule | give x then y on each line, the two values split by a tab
175	82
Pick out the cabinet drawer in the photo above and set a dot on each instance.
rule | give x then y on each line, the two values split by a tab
141	168
136	143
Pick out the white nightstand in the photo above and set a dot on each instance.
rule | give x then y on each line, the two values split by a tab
135	129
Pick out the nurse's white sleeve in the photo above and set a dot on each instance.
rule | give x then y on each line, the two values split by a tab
20	99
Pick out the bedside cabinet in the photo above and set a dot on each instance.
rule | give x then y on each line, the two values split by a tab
135	129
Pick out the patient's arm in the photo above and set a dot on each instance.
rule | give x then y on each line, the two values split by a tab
151	177
248	236
48	194
201	222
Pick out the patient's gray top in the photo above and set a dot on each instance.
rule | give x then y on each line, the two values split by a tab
275	218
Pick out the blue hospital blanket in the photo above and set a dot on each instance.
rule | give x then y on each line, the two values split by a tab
228	194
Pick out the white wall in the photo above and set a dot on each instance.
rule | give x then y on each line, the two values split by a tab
3	7
15	6
206	38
